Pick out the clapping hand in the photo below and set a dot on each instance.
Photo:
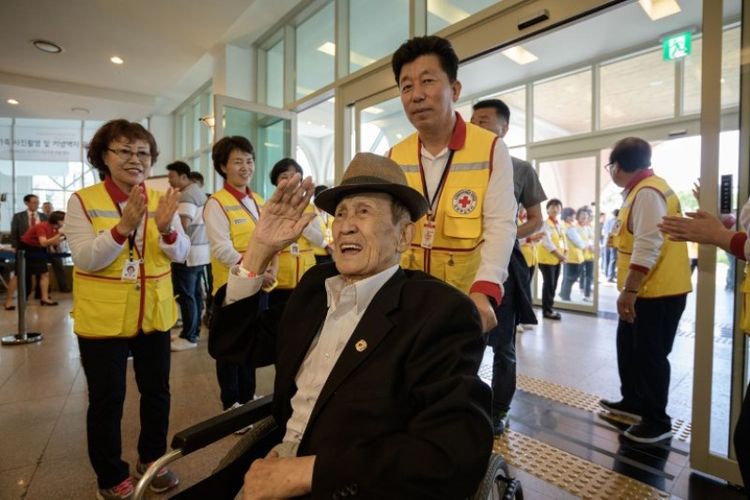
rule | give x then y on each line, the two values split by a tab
166	209
133	212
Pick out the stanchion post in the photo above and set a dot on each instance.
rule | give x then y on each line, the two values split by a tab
22	336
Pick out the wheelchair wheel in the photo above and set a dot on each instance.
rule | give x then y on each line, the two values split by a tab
497	483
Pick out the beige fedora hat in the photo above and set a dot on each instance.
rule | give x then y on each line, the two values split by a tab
371	173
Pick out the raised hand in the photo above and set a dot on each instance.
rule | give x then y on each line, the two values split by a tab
700	226
133	212
282	220
166	209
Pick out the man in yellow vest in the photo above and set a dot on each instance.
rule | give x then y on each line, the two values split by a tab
702	227
653	277
465	174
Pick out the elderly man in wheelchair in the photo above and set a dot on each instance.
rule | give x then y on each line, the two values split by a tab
376	392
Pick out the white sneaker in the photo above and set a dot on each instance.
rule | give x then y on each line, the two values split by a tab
180	344
520	329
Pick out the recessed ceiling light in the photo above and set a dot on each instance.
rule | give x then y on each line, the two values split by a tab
116	60
80	111
47	46
373	110
519	55
658	9
12	102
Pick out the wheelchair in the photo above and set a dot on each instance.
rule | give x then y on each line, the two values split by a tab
497	483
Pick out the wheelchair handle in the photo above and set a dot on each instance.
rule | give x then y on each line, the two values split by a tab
150	474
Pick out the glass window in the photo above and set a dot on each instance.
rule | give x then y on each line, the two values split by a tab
516	102
315	134
316	51
443	13
195	126
383	125
562	106
635	90
6	175
275	75
376	29
730	73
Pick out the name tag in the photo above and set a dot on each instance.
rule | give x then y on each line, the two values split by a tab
428	234
130	271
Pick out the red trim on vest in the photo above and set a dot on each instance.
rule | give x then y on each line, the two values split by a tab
458	139
492	153
119	239
643	174
737	245
117	194
237	193
639	269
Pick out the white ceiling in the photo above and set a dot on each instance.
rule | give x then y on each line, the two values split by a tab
166	46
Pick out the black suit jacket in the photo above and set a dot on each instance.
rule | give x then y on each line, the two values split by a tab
20	224
407	417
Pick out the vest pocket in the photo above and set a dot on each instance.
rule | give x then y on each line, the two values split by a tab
165	307
467	226
99	309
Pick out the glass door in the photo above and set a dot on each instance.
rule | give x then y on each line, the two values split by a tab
271	132
573	179
380	123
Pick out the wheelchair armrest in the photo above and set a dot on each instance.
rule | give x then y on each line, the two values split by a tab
211	430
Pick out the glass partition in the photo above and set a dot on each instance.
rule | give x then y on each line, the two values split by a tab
376	29
316	49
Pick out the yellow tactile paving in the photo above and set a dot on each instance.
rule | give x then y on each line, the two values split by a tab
568	472
585	401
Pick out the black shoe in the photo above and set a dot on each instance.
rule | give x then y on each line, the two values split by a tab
552	315
648	433
621	408
500	423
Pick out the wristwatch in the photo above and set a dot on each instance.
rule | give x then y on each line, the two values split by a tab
170	230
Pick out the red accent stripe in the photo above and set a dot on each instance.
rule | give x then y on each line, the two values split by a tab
737	245
492	153
83	206
457	250
640	269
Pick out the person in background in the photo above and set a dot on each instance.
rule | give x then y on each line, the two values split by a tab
703	227
197	178
54	259
206	277
186	275
37	241
47	208
298	258
20	223
574	257
610	252
586	232
230	216
551	254
324	254
653	278
123	236
530	254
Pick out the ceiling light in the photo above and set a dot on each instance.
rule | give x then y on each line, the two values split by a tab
657	9
80	110
723	80
655	83
519	55
373	110
12	102
332	100
328	48
116	60
399	136
208	120
356	58
48	47
446	11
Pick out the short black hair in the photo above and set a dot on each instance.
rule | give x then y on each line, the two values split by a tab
282	166
112	131
631	154
553	201
418	46
584	210
568	212
222	149
28	197
196	177
56	216
499	106
180	167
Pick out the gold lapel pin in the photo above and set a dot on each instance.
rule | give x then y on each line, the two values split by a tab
361	345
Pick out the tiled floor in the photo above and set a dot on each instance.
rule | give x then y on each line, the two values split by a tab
43	404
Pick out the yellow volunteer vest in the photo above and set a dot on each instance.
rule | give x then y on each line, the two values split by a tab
327	234
587	235
455	254
575	254
241	227
292	267
529	251
544	256
104	306
671	273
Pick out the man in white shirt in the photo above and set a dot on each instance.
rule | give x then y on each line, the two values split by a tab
376	389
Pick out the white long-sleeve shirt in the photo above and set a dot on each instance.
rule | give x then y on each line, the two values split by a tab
649	207
498	212
217	230
347	304
92	252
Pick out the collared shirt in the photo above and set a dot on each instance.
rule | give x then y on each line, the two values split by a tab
192	200
33	217
92	252
649	207
217	225
547	238
498	212
347	304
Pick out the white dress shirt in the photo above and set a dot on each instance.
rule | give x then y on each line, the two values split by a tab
92	252
498	212
347	304
649	206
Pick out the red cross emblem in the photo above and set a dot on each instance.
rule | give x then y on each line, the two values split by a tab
464	201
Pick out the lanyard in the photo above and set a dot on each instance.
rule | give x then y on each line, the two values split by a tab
439	191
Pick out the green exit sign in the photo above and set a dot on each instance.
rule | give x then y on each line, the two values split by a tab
677	46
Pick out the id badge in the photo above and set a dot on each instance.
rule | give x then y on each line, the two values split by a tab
130	271
428	234
294	249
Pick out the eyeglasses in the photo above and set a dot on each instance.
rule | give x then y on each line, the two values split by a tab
608	167
126	154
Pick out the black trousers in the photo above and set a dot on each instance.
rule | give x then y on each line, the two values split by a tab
571	273
642	350
742	440
502	338
550	275
105	365
59	269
